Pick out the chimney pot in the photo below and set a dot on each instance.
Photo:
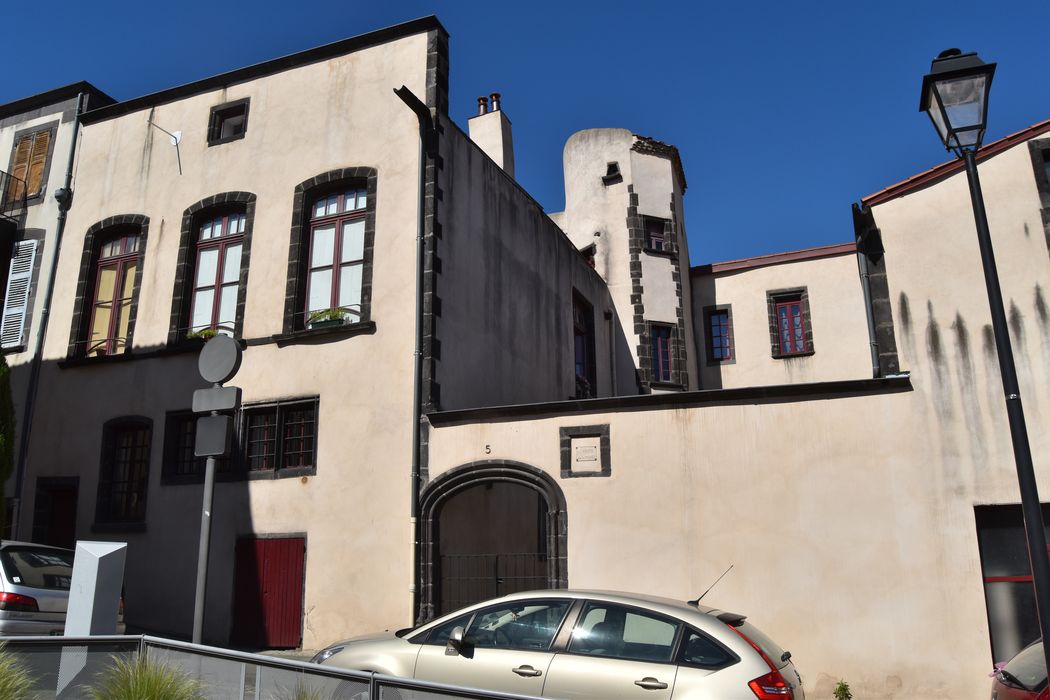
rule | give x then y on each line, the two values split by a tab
483	105
495	101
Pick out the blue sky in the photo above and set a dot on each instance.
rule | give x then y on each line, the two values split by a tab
785	112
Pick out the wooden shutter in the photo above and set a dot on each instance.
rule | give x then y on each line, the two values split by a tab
23	149
17	299
37	161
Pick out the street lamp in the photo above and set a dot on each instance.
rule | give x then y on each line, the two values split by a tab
955	95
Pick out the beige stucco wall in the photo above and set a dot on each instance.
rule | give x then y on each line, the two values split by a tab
354	513
840	331
850	542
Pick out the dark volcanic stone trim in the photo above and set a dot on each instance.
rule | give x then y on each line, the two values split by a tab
86	279
869	244
778	393
1039	151
182	295
298	250
636	243
565	437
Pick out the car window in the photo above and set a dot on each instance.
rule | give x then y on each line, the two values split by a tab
700	650
527	624
1028	667
623	633
439	635
51	569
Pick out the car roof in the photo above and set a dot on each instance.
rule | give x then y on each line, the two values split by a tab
668	605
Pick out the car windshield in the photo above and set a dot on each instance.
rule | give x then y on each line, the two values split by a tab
1028	667
38	567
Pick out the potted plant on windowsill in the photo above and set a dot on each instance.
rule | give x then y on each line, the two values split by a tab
204	334
328	318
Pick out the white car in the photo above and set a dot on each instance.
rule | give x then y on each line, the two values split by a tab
584	644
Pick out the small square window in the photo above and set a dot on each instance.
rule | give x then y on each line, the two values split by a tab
280	436
656	235
228	122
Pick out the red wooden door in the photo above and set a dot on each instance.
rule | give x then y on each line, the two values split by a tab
268	592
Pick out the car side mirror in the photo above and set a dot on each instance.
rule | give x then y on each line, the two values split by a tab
456	641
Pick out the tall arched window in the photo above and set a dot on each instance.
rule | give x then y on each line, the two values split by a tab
107	291
337	256
330	250
124	472
217	273
118	262
211	270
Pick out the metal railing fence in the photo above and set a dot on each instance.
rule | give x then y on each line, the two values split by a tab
64	668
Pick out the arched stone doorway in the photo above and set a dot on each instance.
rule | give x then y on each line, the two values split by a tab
488	529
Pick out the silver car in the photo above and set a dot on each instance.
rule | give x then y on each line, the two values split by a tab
584	644
34	589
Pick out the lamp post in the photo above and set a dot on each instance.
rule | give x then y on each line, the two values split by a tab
955	95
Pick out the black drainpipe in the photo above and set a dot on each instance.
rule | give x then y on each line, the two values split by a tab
426	147
64	196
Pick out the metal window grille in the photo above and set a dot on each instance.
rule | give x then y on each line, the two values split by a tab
125	471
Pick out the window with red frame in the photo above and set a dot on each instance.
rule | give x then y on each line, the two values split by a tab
791	325
114	293
280	436
661	348
124	474
337	256
656	235
220	242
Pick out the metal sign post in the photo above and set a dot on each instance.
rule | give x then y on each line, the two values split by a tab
219	361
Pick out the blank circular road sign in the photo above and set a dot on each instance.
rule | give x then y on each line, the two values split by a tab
220	359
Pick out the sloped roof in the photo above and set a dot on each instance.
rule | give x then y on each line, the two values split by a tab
953	166
652	147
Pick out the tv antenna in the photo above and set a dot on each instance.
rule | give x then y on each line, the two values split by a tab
176	139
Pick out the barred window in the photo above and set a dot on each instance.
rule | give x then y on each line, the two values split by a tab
124	473
180	462
280	436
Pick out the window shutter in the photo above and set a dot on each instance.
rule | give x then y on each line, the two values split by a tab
16	301
20	167
35	176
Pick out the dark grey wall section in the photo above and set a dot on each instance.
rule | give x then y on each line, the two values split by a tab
505	275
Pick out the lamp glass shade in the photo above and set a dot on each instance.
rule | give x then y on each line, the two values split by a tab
962	105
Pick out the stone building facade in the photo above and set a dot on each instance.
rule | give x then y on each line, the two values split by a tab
450	393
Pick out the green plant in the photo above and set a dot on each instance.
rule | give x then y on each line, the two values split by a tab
16	680
301	691
842	691
142	678
336	314
204	333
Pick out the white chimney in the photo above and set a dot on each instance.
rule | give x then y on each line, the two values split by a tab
490	130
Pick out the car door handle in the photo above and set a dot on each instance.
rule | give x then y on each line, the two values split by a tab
650	683
530	672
